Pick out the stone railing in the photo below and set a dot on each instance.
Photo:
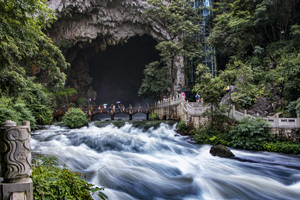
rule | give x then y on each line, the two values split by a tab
169	102
15	170
198	110
275	122
187	107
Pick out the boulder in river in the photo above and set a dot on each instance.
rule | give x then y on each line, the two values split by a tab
221	151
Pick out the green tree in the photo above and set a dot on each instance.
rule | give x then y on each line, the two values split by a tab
263	37
182	24
24	46
156	82
210	89
25	52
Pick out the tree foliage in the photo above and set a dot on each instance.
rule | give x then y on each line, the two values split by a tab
52	182
24	46
156	82
182	24
26	52
260	41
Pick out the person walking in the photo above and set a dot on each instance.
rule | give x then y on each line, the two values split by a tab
197	97
183	94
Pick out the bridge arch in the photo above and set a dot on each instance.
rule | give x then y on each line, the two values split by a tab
100	117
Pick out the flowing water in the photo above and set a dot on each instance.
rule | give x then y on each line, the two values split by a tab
145	160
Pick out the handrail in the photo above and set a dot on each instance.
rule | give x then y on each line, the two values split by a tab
188	108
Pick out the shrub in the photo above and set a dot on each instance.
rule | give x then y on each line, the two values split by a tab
43	114
283	147
154	116
37	99
250	134
181	126
210	136
8	114
75	118
25	114
17	113
53	182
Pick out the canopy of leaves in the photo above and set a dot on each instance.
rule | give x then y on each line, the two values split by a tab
183	30
156	83
23	44
260	41
26	52
35	105
210	89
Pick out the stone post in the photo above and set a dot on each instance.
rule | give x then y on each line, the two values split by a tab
15	161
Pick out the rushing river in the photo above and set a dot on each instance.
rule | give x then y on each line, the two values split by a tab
146	160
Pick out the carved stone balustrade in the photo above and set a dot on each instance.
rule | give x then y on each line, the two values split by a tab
15	159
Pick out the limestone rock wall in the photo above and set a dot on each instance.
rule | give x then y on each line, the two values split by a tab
116	20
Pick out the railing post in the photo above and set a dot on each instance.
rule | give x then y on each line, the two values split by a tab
15	161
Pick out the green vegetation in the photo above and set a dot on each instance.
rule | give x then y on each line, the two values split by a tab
156	82
17	113
257	45
154	116
283	147
257	49
181	126
29	61
181	22
250	134
52	182
75	118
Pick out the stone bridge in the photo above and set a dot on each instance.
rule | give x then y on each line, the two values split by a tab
112	111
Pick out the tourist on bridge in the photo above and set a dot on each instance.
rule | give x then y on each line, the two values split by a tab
183	94
197	98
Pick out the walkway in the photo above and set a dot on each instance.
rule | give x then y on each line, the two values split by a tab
191	110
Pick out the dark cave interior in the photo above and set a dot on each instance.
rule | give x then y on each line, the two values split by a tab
117	72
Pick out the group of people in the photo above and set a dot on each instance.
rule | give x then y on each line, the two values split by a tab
119	107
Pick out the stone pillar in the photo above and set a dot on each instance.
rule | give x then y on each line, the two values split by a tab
15	161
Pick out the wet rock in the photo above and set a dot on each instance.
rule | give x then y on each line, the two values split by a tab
221	151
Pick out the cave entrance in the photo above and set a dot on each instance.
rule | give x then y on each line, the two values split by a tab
117	72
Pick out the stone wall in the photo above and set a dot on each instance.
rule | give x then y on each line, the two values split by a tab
178	109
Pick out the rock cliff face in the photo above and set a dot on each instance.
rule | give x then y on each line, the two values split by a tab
86	27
